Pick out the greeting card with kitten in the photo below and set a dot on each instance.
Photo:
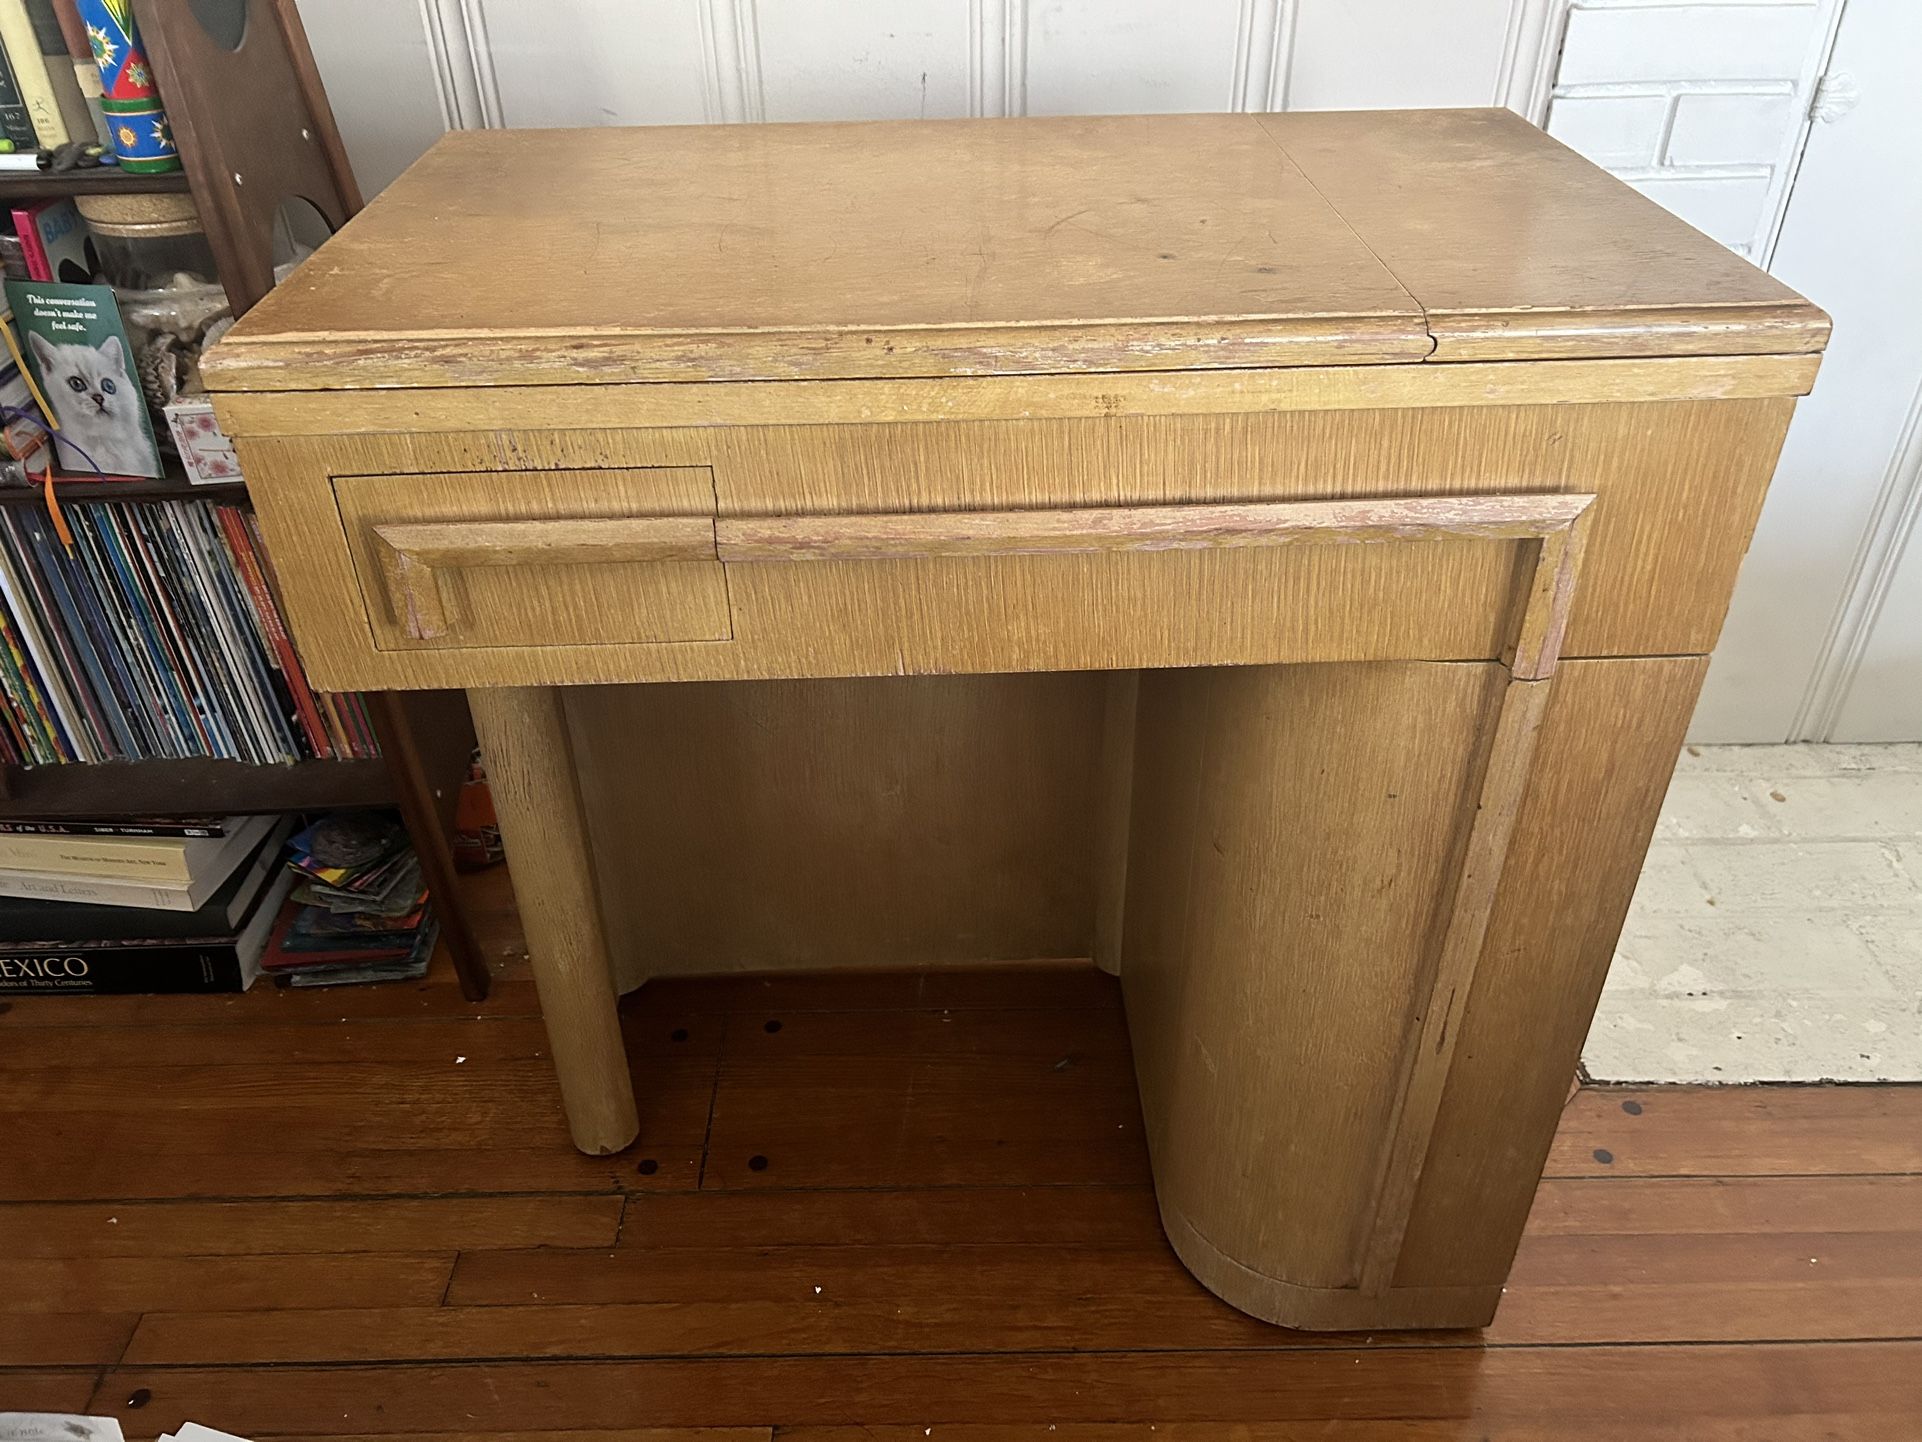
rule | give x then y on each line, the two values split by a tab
77	347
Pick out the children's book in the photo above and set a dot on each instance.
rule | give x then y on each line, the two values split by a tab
77	349
55	242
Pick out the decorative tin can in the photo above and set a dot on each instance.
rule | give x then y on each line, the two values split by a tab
138	124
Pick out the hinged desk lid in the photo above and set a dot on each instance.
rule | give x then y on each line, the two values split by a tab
1004	246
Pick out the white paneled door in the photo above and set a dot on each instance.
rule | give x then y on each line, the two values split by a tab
1701	104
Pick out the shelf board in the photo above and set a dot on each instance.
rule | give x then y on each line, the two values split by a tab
101	180
167	488
191	788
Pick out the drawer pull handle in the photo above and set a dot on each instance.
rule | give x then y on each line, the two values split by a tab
1185	527
416	557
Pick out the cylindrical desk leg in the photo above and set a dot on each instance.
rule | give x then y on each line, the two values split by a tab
530	769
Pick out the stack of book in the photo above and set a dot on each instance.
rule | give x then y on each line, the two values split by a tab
132	906
359	911
154	635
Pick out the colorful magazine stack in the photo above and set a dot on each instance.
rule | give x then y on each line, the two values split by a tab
154	636
360	912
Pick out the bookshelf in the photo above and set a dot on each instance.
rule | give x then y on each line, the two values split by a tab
254	129
17	185
174	487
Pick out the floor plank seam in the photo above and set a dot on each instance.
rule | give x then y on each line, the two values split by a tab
226	1199
1441	1343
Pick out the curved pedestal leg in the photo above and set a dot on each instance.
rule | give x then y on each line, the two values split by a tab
530	769
1352	1022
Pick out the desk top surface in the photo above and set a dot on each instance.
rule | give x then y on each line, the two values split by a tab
1000	246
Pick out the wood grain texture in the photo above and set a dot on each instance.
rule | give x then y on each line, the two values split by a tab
1650	1309
1870	1385
1607	746
530	770
1351	781
514	559
1439	1000
1517	246
417	562
1678	487
1758	1131
1231	1002
1007	246
1111	529
1034	398
842	823
1121	699
889	249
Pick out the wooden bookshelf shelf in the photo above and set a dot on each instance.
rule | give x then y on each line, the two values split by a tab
191	788
103	180
168	488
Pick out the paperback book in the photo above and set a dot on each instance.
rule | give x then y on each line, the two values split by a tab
77	349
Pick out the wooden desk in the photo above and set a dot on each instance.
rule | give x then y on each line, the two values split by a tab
1290	544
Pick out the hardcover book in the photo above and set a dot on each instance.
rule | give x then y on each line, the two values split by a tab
52	947
15	122
144	894
161	860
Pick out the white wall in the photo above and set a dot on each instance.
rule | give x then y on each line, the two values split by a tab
1701	104
1825	638
399	71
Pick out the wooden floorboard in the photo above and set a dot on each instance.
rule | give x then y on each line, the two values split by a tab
1874	1384
863	1209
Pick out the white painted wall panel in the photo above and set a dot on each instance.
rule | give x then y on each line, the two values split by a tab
1803	655
1100	57
1389	54
877	60
1611	44
374	57
1883	701
597	62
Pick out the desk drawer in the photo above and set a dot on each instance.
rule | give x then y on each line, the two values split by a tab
536	558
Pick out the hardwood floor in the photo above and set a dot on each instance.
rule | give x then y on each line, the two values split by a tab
861	1208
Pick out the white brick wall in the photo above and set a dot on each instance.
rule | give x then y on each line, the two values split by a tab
1701	106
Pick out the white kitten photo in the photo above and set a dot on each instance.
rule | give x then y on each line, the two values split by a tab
102	428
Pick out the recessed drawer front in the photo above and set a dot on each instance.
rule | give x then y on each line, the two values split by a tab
536	558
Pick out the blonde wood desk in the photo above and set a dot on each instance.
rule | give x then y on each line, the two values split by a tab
1275	555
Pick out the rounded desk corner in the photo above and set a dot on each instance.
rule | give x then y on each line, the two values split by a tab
1325	1309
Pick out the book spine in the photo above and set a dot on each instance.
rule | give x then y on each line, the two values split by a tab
124	970
128	644
168	668
17	521
114	828
73	31
71	676
100	857
24	691
41	666
43	886
30	74
33	253
60	75
201	546
235	531
102	640
31	745
15	121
